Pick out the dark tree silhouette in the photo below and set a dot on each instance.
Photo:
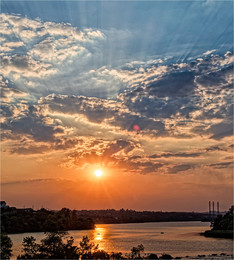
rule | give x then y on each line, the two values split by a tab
6	245
87	248
30	247
136	251
20	221
51	247
224	222
117	255
152	256
165	256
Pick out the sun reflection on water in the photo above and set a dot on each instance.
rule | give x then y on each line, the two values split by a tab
99	233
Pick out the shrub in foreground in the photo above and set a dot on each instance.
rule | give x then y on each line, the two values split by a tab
6	245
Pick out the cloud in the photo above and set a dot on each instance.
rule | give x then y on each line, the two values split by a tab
28	181
182	155
33	124
176	84
115	154
215	148
24	65
222	165
169	107
179	168
208	52
9	94
34	51
96	110
58	93
221	130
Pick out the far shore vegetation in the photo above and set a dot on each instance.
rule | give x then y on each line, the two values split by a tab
28	220
222	226
14	220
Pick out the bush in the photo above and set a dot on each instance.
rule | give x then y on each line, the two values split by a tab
52	246
152	256
6	245
165	256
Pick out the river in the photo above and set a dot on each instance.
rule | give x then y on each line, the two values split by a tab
175	238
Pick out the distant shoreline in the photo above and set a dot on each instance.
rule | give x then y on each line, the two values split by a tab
146	222
15	221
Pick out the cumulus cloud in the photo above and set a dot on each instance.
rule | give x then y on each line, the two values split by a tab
9	94
97	110
30	122
34	51
57	95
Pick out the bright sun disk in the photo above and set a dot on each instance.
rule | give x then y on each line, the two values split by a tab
98	173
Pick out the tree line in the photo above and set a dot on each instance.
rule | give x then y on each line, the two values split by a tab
59	245
27	220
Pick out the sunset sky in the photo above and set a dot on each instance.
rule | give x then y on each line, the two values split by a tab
142	91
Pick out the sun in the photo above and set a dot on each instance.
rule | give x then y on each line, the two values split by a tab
98	173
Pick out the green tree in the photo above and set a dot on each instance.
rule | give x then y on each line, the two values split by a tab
6	245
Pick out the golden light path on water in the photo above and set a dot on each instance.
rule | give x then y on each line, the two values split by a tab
175	238
99	233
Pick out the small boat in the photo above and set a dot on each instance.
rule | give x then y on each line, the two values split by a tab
162	232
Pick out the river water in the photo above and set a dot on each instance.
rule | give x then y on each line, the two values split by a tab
175	238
